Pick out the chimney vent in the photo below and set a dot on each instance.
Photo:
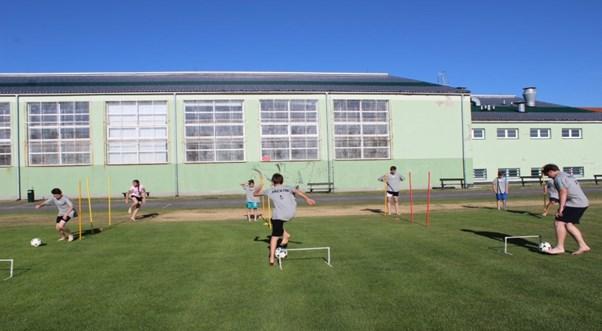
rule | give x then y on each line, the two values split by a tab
529	95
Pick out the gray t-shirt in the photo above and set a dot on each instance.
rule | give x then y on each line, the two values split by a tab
63	204
284	202
500	184
250	191
393	181
576	197
552	191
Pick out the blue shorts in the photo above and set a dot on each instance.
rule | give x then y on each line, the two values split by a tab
252	205
501	196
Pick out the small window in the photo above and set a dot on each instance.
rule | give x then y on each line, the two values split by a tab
575	171
480	174
571	133
5	142
478	133
510	172
540	133
506	133
536	172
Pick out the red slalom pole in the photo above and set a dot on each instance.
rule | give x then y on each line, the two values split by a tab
428	201
411	199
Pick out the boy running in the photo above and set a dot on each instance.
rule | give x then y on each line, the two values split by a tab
573	204
393	180
553	198
252	200
500	188
66	213
137	194
285	206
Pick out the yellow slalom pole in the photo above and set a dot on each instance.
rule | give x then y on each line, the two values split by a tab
386	209
109	199
79	208
90	216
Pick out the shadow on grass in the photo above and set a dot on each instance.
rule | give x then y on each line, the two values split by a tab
268	237
513	211
498	236
374	210
145	216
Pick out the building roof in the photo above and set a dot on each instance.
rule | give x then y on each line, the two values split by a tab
215	82
503	108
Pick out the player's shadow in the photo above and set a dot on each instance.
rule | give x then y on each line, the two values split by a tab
498	236
145	216
478	207
374	210
267	240
524	212
87	232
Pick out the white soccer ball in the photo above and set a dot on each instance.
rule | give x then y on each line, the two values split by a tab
36	242
544	246
281	253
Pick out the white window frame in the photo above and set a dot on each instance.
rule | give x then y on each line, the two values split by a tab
538	132
288	123
361	122
506	136
213	123
5	126
570	133
571	171
136	128
478	138
507	171
59	126
480	178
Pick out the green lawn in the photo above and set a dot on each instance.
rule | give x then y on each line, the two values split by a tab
387	275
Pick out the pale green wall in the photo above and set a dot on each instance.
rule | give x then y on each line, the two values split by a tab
526	153
425	132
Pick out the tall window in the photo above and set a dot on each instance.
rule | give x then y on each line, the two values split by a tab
59	133
505	133
5	154
214	131
289	130
510	172
575	171
361	129
571	133
137	132
478	133
480	174
540	133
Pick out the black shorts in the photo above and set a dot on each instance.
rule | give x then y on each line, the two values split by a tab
60	218
277	228
571	215
137	200
554	200
393	194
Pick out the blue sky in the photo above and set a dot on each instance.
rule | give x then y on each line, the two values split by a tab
488	46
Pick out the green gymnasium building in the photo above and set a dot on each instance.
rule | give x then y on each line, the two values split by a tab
202	133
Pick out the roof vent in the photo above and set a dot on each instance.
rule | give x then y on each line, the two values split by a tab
529	95
521	106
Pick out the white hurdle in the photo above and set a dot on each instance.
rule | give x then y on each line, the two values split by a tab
12	262
327	249
518	237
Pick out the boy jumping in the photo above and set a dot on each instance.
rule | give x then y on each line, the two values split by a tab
285	206
393	180
553	198
66	213
500	188
252	200
137	194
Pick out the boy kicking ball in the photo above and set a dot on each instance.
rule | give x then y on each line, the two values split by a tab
137	194
66	213
285	206
252	200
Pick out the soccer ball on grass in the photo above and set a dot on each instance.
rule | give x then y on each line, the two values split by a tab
544	246
36	242
281	253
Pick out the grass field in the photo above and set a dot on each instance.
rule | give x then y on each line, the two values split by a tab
387	275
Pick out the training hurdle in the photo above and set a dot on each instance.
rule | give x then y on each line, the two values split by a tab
518	237
12	262
327	249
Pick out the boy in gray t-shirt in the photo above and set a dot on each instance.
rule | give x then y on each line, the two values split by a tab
252	200
572	206
500	187
393	181
66	212
285	206
550	189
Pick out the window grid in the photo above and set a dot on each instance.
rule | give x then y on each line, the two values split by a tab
5	142
480	174
214	131
289	130
510	172
577	172
540	133
361	129
58	133
136	132
507	133
478	133
536	172
571	133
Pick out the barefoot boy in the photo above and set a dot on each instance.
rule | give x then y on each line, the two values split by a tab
137	194
500	188
393	180
66	213
252	200
553	199
573	204
285	206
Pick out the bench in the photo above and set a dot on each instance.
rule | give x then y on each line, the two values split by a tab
453	180
125	194
320	187
596	178
522	179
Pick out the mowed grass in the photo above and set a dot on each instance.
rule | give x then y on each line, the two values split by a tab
387	275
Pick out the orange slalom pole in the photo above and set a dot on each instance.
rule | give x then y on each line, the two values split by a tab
411	199
428	200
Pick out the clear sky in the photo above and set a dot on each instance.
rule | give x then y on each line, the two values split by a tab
487	46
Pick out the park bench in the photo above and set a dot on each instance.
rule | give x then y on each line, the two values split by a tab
320	187
527	179
596	178
451	180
